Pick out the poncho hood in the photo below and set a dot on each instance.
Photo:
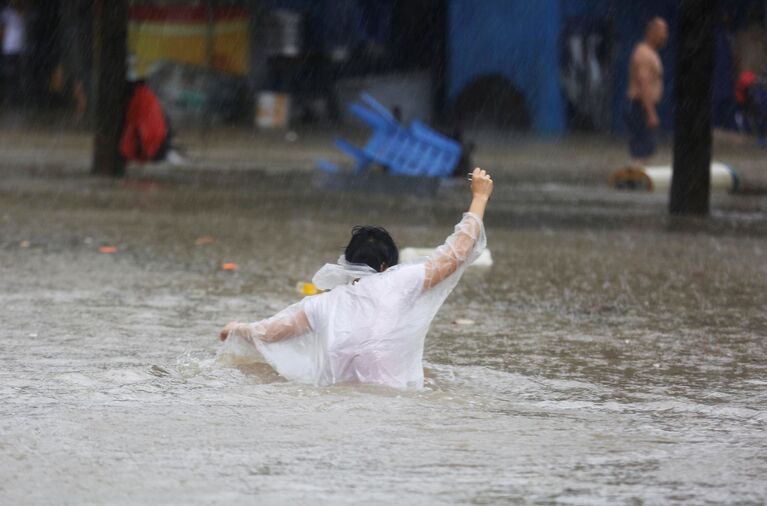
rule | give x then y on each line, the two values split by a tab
340	273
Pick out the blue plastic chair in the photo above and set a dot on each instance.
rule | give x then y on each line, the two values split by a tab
414	151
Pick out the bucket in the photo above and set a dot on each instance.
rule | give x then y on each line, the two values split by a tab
272	110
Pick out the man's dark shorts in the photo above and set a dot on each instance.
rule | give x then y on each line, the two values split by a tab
641	138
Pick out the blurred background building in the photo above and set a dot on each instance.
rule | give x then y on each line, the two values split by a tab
549	66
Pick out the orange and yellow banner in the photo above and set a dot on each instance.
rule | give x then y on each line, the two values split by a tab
180	33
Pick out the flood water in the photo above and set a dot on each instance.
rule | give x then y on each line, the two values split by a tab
616	356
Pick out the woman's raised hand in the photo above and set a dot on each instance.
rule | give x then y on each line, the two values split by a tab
481	184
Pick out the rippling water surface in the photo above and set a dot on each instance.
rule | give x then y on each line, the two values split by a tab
615	357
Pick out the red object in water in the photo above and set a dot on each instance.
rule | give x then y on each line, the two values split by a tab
145	127
746	79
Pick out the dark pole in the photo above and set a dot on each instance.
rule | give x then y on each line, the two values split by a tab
110	27
258	72
210	29
691	179
259	23
439	67
210	33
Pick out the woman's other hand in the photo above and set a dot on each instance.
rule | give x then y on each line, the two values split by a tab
240	329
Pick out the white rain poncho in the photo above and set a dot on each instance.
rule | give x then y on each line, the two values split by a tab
369	327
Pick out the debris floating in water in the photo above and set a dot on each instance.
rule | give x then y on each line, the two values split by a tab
229	266
108	249
463	321
158	371
307	288
204	240
24	244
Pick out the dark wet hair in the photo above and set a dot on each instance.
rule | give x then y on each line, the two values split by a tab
372	246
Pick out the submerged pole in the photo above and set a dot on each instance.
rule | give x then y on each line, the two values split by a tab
210	53
691	180
110	26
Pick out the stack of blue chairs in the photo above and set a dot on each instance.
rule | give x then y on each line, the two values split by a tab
416	150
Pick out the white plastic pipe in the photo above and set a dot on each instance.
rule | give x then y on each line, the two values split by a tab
722	177
658	178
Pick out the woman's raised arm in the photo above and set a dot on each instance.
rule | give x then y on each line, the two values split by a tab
460	247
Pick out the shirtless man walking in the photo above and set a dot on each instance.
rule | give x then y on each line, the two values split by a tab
645	91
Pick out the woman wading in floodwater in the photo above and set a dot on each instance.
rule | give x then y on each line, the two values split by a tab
371	323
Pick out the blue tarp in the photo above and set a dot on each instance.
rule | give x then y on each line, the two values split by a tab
520	39
517	39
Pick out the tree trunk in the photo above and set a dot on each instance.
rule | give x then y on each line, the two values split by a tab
110	20
691	180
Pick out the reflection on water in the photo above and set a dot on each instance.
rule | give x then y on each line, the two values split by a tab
612	358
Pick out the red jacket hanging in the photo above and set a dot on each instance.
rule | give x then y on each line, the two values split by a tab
746	79
145	129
